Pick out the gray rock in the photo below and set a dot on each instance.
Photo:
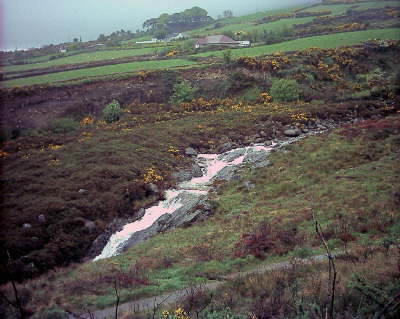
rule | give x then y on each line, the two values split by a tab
225	174
194	208
268	143
152	188
140	213
305	130
249	185
263	134
257	158
292	132
90	226
321	127
26	225
227	147
258	140
232	155
190	151
83	191
188	173
42	218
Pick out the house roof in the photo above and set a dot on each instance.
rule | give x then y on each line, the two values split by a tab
217	39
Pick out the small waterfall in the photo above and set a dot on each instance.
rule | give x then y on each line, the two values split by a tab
212	165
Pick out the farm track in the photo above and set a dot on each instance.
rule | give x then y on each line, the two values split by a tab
155	302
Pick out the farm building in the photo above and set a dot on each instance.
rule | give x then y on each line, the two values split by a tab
216	40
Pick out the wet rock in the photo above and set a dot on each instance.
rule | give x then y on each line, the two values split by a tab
321	127
41	218
188	173
193	209
140	213
292	132
232	155
83	191
305	130
226	147
26	226
257	158
225	174
268	143
190	151
101	240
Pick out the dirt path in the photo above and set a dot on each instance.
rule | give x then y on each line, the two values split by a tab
148	304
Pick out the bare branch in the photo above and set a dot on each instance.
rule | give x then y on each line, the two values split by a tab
332	267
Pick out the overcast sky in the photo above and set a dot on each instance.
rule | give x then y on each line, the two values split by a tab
32	23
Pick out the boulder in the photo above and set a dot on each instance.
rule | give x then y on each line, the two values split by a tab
190	151
225	174
188	173
194	207
232	155
90	226
226	147
152	189
26	225
249	185
292	132
41	218
83	191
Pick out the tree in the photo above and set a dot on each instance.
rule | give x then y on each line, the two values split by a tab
227	14
112	112
102	38
183	92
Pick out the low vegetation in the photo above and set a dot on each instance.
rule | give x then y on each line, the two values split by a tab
78	156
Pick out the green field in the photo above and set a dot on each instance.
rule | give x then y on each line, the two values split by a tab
248	27
321	41
245	22
97	71
342	8
81	58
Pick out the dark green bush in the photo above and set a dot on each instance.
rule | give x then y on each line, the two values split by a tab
252	94
183	92
112	112
284	90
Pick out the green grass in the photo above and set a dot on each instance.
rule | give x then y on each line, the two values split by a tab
248	27
97	71
82	58
321	41
338	9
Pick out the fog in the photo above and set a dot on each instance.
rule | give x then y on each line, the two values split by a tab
33	23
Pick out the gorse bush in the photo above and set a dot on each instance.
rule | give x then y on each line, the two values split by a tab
252	94
112	112
284	90
183	92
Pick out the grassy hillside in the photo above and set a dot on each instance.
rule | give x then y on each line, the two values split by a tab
317	175
97	71
81	58
322	41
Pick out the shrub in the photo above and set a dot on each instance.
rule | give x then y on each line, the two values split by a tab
183	92
252	94
112	112
227	57
284	90
63	125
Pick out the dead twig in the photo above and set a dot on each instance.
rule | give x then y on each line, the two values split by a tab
332	267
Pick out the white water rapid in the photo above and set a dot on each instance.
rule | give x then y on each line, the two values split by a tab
213	166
